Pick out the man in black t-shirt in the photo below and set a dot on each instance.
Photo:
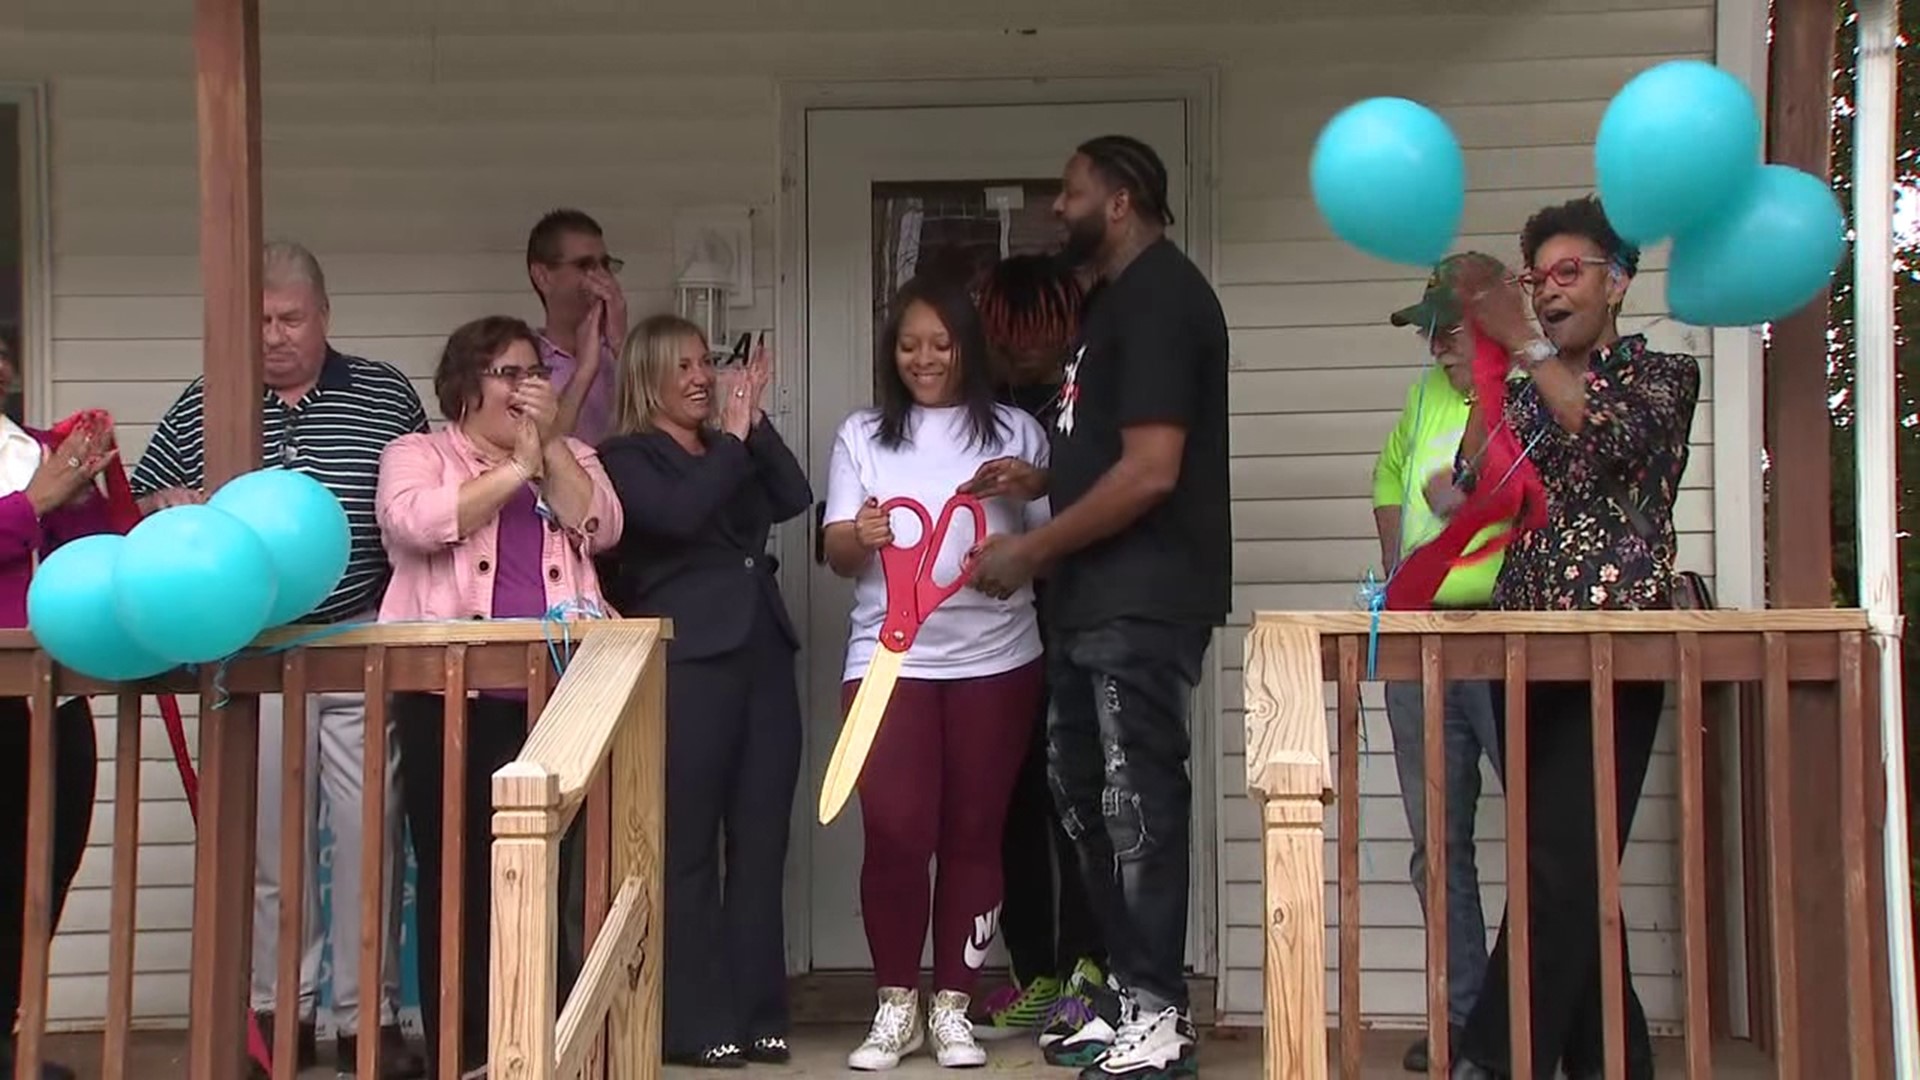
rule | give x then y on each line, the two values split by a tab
1140	558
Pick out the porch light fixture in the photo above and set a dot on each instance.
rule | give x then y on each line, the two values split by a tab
701	291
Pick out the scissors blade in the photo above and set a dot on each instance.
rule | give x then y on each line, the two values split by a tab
856	735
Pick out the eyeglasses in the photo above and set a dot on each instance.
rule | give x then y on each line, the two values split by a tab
587	264
513	373
1438	333
1562	273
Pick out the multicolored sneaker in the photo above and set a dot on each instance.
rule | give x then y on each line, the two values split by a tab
1017	1010
1074	1007
1111	1010
1160	1046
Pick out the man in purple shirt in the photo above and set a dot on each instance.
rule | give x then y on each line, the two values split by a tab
586	320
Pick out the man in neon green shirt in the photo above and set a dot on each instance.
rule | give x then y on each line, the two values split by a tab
1412	495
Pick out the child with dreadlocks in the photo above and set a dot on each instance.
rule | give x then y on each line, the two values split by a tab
1030	307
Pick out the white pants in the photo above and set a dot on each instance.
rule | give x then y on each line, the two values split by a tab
336	767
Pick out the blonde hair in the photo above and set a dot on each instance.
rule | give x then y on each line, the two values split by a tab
651	353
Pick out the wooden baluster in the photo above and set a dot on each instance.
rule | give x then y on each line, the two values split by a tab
1347	690
539	681
638	827
36	938
1519	913
373	862
1433	703
453	862
1606	820
1862	1041
122	925
599	816
294	823
1776	809
1693	858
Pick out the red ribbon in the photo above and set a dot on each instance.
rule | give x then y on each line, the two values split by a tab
1509	491
123	513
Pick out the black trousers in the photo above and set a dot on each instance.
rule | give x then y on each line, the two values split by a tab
496	729
1117	748
733	758
1563	879
1045	918
75	766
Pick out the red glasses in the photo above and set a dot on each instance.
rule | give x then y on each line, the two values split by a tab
1562	273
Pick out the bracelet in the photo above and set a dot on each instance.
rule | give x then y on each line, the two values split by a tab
1535	353
526	475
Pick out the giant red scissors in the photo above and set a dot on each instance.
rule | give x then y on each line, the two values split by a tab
912	595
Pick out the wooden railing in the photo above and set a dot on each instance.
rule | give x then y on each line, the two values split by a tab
604	729
1291	656
608	702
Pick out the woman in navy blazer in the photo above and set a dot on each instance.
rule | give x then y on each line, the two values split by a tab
703	477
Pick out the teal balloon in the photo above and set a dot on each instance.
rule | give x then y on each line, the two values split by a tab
304	528
1765	258
1389	178
70	609
1676	144
193	584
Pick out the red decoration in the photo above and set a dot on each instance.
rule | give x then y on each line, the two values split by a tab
1508	491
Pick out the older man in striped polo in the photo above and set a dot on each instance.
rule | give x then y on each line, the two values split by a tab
328	415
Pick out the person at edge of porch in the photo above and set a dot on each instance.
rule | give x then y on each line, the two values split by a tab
328	415
47	498
704	477
497	515
1419	454
936	784
1141	550
1030	308
1607	419
586	318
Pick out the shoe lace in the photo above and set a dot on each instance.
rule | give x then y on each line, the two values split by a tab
1136	1026
890	1024
950	1026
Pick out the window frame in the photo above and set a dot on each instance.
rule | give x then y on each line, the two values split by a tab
35	359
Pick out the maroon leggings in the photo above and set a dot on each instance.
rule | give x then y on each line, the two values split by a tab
936	785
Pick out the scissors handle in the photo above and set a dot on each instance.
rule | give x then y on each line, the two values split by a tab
912	592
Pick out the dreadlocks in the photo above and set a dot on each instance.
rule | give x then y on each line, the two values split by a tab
1030	302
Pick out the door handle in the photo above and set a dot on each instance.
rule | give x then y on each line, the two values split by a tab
820	532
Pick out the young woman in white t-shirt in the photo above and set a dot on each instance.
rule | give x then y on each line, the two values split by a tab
938	779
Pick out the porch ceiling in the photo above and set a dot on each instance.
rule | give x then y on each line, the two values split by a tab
752	17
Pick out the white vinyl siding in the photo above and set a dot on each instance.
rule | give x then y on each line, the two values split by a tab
413	142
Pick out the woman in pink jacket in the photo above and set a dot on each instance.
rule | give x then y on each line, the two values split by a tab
494	516
47	497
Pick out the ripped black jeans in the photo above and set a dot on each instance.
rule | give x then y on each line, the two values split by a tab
1117	747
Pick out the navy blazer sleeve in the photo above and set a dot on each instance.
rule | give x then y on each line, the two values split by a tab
785	482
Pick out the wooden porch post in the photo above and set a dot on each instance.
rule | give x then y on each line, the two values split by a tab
226	38
1800	537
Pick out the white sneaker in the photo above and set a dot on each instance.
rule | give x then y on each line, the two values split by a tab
896	1031
1152	1046
952	1032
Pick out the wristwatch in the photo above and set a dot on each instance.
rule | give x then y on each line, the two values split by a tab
1535	352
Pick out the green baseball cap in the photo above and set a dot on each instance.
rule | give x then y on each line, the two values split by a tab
1439	306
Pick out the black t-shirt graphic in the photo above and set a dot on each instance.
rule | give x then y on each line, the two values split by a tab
1153	349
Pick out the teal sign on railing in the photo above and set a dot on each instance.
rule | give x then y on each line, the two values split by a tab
409	1003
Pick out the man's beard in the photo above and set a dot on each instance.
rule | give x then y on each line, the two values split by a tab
1085	236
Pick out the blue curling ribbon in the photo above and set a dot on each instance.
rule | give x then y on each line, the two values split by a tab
1373	595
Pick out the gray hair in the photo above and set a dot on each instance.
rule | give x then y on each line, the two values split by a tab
287	263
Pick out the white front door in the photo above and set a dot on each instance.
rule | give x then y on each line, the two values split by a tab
889	192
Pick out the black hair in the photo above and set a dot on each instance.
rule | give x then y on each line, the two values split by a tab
949	301
1031	301
1130	165
1579	217
543	243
